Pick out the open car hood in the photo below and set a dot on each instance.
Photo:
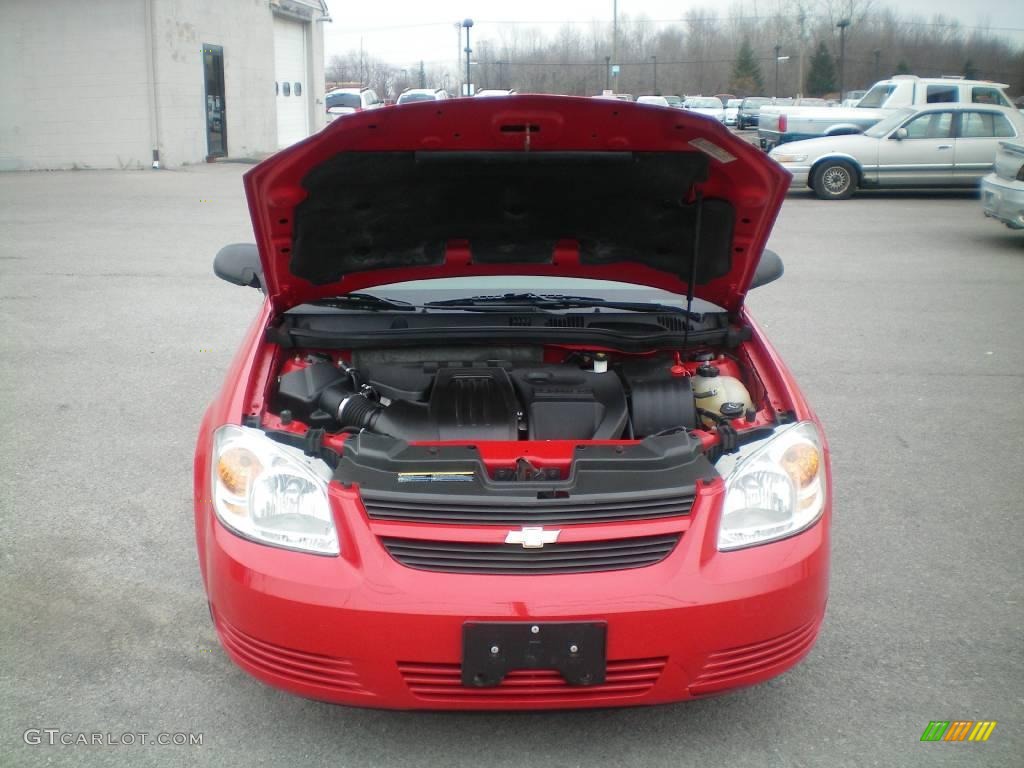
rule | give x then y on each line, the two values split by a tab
524	185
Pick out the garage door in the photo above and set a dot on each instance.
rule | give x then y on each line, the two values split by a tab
291	85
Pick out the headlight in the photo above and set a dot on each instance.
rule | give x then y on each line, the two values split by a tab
780	158
271	493
777	491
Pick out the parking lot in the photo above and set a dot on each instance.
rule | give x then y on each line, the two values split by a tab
899	315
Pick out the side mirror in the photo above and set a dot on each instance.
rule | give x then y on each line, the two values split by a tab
769	269
901	134
239	263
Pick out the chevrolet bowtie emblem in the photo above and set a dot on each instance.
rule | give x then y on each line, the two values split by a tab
532	538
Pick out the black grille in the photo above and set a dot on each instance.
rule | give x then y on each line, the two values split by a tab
584	557
519	510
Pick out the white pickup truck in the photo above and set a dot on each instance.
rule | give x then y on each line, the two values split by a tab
782	124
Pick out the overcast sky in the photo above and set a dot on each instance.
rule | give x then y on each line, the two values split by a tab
405	31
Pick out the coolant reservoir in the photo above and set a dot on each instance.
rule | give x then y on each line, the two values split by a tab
711	390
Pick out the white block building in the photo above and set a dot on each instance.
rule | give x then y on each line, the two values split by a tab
126	83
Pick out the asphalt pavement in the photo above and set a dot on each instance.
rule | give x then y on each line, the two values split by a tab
900	314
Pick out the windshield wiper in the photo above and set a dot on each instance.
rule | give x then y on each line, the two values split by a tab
555	301
364	301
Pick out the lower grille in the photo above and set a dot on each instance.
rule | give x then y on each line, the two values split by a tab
298	666
443	682
581	557
723	668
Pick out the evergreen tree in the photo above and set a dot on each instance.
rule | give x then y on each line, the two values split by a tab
746	72
903	68
970	71
821	76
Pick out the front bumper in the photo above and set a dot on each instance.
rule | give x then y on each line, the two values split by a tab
362	629
1003	199
801	175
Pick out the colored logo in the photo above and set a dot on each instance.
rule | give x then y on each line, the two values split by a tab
958	730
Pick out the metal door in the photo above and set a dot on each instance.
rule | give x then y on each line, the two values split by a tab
216	120
918	153
977	141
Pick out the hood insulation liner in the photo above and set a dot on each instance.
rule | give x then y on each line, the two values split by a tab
378	210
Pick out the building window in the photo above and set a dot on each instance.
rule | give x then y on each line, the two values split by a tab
297	89
286	88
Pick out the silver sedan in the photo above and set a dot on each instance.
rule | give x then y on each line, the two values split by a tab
938	145
1002	191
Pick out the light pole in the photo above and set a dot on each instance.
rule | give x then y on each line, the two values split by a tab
877	52
615	35
607	73
777	60
468	24
843	24
775	93
654	59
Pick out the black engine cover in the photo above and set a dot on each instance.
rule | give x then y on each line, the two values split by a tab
566	403
474	404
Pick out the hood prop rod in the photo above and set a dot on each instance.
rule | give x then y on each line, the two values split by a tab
699	194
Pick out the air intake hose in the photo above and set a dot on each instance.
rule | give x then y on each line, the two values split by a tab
401	419
350	410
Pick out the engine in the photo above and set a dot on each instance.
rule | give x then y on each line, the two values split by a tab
494	400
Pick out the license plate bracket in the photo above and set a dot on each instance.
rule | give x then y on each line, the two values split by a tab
575	648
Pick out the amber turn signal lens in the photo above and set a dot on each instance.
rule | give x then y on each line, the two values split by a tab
801	462
236	469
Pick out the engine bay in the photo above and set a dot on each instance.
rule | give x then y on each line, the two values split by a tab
513	393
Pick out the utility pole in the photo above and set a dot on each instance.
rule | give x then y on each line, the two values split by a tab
877	52
501	74
607	73
423	75
458	48
468	24
778	49
615	36
803	43
655	89
843	24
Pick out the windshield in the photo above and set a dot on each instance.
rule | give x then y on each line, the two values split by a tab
880	129
706	104
407	98
877	96
343	100
444	288
753	104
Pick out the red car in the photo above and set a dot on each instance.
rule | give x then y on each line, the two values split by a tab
503	435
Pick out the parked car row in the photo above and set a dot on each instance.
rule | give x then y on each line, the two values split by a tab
937	145
348	101
780	124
